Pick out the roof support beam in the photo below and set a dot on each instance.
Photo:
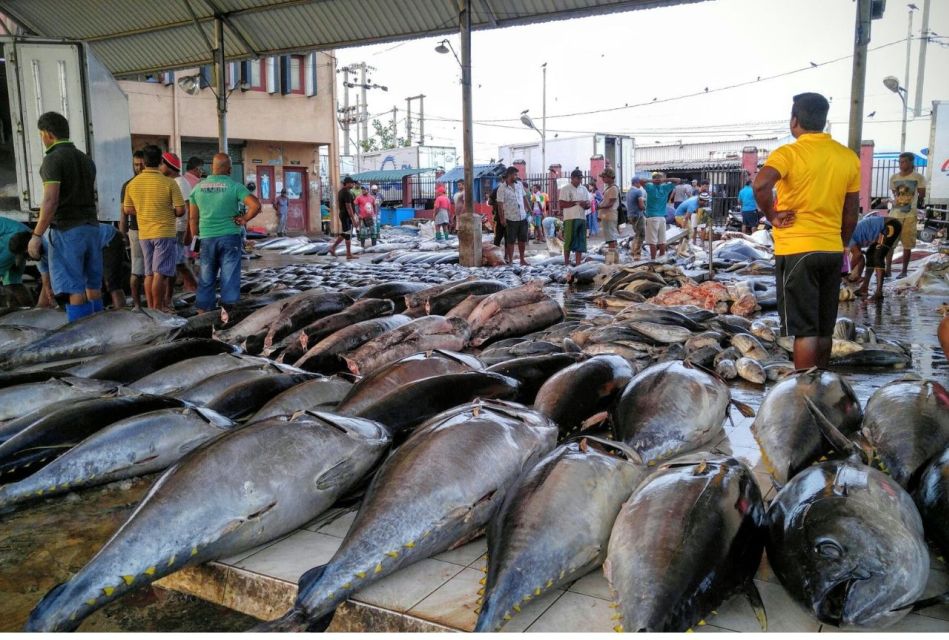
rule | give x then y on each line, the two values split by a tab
233	29
197	25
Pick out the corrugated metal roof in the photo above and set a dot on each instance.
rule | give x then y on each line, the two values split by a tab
458	173
705	151
387	175
131	38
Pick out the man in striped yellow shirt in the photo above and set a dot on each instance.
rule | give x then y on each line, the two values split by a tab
155	200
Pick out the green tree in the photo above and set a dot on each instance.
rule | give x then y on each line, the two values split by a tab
384	137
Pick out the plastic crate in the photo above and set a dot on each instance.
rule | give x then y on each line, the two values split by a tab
387	216
402	214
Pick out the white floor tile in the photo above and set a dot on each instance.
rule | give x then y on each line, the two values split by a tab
290	558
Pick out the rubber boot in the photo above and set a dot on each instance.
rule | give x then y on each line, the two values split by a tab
78	311
97	305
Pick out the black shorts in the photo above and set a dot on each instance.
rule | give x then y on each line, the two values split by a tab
515	231
113	255
808	293
750	218
345	225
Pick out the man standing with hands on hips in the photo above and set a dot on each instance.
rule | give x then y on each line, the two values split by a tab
68	210
818	182
215	220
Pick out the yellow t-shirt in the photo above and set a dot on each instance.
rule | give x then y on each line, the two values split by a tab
816	174
154	197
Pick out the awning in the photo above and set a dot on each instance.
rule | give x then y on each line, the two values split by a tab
389	175
480	171
140	37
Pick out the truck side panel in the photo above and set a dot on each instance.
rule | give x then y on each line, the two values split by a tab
110	135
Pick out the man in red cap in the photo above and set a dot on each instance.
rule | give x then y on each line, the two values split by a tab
171	167
155	200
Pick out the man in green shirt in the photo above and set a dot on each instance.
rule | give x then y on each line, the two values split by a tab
215	219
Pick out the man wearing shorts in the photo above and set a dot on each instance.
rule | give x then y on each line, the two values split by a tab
156	202
574	201
657	195
128	227
214	217
878	235
347	217
113	262
818	183
514	210
171	167
908	187
749	208
68	211
635	210
607	211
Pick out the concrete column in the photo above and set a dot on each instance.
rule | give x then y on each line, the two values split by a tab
407	191
866	173
469	251
521	167
749	162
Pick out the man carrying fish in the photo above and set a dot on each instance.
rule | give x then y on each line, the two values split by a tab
818	184
214	219
878	235
68	211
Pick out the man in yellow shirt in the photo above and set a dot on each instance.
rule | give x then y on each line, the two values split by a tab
818	184
155	200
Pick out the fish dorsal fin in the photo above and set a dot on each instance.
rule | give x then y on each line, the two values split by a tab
841	443
628	452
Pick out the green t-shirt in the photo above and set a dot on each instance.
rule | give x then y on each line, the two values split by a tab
11	270
217	199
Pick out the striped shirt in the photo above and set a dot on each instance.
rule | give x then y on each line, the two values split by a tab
154	198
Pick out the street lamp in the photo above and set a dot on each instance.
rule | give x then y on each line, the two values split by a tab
893	84
527	122
444	47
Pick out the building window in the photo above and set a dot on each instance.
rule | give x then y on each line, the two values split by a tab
272	79
296	74
310	74
254	74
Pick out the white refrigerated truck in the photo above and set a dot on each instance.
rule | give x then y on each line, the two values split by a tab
938	167
39	76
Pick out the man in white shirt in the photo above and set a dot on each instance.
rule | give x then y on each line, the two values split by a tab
574	200
512	199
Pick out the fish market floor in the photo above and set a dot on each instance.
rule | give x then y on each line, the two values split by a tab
441	593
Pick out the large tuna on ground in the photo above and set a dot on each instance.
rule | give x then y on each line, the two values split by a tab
445	483
689	537
244	489
932	498
420	335
555	524
575	393
847	543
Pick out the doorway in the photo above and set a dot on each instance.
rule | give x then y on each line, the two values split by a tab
298	192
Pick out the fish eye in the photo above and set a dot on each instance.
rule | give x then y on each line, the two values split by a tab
829	549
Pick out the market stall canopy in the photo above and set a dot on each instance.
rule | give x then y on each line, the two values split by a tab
140	37
388	175
480	171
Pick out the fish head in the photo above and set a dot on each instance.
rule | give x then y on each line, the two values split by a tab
860	572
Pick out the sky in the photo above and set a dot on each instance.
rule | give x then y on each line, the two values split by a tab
605	63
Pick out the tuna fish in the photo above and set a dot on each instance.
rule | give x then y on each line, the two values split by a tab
97	334
241	490
669	409
302	312
188	373
789	435
245	398
494	304
14	337
451	297
291	348
415	402
129	448
394	291
847	543
135	362
250	332
38	318
932	498
907	423
689	537
533	371
319	394
423	334
751	370
416	367
749	346
19	400
516	321
552	529
326	355
464	308
421	298
577	392
445	483
50	433
203	392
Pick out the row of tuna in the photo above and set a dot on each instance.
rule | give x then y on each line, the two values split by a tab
680	527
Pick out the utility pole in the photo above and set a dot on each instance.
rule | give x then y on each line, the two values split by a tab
395	130
924	41
857	86
408	120
909	45
421	117
346	119
543	133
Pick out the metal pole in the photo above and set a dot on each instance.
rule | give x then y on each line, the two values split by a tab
466	105
909	47
421	119
364	115
903	96
861	40
408	120
346	117
918	108
219	76
543	135
395	130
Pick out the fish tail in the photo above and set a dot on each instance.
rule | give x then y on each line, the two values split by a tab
292	622
57	611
